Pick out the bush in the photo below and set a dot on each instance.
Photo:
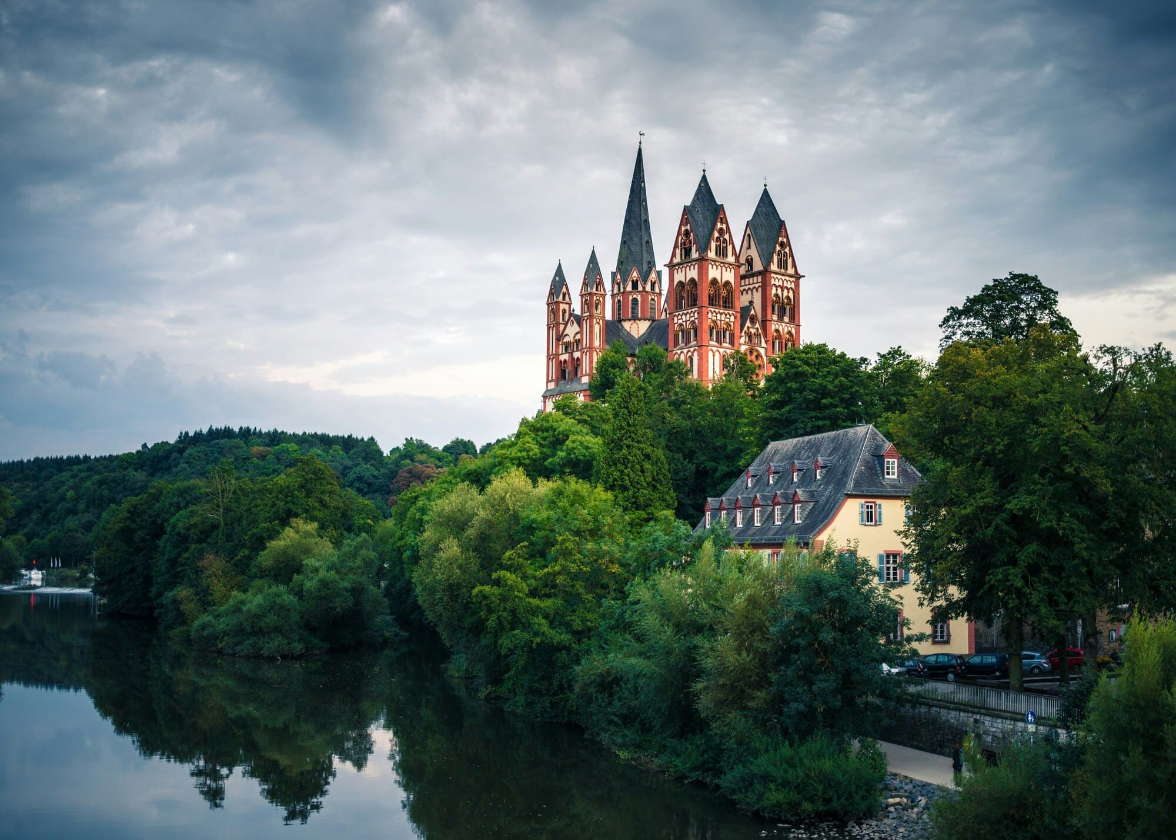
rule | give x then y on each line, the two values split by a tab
1024	797
266	621
820	778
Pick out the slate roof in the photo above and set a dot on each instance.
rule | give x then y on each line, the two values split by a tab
592	270
636	249
568	386
657	333
703	212
744	311
851	464
765	227
558	282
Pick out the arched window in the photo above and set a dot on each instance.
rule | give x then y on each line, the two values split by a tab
687	246
789	308
749	264
634	308
728	296
692	293
777	306
680	296
777	343
789	343
633	285
782	259
618	309
712	293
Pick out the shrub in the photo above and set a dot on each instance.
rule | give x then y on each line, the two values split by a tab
1024	797
266	621
823	777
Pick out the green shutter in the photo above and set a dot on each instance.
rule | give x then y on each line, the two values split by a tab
862	513
881	568
906	573
877	513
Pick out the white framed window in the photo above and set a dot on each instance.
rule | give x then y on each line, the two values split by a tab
739	519
817	471
776	514
795	475
892	567
868	513
771	476
775	558
796	513
749	478
723	515
756	515
708	518
892	468
939	632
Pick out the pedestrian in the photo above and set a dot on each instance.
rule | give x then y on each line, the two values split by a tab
957	763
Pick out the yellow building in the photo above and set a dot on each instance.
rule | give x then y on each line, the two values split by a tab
846	486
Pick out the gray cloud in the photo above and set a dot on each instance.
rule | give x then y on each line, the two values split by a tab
357	203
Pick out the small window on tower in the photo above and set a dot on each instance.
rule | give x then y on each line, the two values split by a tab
749	264
618	310
634	308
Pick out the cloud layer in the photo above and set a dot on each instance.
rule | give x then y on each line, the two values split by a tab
344	216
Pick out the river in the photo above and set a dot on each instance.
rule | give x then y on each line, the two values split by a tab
106	731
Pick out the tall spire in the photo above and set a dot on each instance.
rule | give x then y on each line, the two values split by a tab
636	249
593	270
558	281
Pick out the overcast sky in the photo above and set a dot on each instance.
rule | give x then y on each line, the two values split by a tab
344	217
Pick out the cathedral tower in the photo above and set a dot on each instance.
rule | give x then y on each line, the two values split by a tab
704	317
770	280
636	289
559	312
593	313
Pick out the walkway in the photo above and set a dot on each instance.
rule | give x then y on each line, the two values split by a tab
916	764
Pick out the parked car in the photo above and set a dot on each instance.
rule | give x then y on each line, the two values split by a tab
1073	656
1033	662
987	665
912	667
944	665
892	670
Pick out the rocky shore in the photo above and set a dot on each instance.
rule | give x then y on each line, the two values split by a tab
905	813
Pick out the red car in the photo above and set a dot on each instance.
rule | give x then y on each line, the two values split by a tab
1073	658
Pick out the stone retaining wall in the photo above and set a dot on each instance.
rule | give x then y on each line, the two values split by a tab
932	726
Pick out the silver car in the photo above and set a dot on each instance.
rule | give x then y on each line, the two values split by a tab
1033	662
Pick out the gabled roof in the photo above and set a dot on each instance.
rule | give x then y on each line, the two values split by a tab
703	212
658	332
592	271
636	250
765	225
558	282
851	465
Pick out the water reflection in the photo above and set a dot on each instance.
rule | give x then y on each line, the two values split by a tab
446	766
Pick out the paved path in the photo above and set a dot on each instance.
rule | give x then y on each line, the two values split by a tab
916	764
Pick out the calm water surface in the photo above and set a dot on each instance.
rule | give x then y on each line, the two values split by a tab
106	731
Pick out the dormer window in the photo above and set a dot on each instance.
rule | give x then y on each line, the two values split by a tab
708	519
796	517
771	476
795	474
817	470
891	468
756	516
749	478
723	515
776	514
739	518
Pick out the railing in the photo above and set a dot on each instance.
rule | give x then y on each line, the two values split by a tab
996	699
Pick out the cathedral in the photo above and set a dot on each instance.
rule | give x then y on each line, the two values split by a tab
714	299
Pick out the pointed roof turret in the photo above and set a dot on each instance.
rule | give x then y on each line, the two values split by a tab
592	271
636	249
558	282
703	211
765	227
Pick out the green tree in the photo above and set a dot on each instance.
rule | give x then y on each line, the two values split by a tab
1008	307
633	463
1015	510
611	366
898	377
288	553
460	446
812	389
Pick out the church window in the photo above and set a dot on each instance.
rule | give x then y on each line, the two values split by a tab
598	306
692	294
728	296
789	308
712	295
777	343
782	259
680	296
789	342
618	310
777	306
634	308
567	347
749	264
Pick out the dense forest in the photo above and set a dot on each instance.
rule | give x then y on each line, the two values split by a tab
562	571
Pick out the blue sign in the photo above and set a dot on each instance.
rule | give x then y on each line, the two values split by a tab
1030	717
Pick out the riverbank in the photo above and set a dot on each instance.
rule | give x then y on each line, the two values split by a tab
45	590
906	813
